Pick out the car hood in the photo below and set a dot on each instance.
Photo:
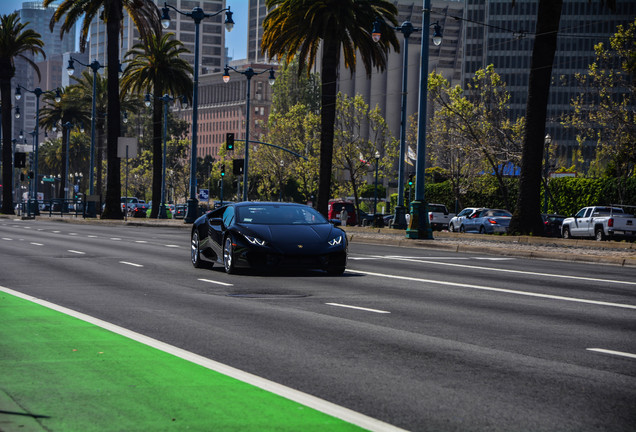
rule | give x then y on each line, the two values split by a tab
283	234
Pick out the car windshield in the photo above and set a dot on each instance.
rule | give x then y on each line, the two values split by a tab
279	215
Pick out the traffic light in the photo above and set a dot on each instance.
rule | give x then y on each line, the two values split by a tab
222	170
229	141
20	160
237	166
411	179
30	175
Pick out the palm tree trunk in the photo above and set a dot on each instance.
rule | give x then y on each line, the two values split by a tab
113	128
330	60
157	152
527	217
7	148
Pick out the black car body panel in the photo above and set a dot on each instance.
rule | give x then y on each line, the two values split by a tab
266	235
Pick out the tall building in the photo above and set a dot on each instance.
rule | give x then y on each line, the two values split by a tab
498	33
38	18
211	34
384	89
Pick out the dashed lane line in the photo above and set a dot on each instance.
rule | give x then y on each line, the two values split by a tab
358	308
130	264
616	353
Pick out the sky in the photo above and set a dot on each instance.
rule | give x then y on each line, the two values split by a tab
236	40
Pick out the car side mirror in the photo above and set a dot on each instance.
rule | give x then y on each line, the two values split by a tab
216	221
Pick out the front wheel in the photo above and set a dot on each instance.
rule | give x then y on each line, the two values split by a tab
566	233
195	253
451	228
228	257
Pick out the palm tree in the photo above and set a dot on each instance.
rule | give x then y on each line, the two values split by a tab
55	114
156	66
300	27
527	217
145	15
15	41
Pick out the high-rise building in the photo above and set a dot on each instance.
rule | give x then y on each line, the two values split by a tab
38	18
498	33
211	34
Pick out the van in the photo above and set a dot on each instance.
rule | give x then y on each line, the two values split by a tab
336	206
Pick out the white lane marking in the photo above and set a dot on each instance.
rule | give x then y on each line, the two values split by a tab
141	241
7	238
57	232
130	264
502	290
172	246
115	238
588	279
310	401
617	353
216	282
401	257
76	252
358	308
37	244
92	236
73	234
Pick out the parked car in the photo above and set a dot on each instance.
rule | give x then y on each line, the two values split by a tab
180	211
364	218
168	212
552	224
456	221
263	235
139	210
603	222
128	203
487	221
335	208
438	216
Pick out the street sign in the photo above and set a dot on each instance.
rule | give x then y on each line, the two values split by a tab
204	194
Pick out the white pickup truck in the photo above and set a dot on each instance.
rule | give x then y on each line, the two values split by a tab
601	223
439	217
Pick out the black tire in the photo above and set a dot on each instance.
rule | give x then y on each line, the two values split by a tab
599	234
335	271
228	256
451	228
566	233
462	229
195	253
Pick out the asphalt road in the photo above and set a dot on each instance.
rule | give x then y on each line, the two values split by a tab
421	339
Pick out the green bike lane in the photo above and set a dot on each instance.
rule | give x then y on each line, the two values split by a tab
61	370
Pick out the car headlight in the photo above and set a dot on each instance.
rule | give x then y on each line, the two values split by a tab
335	241
255	241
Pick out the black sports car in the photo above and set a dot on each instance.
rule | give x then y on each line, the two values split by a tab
263	235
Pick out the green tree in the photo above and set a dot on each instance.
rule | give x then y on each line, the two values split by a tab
292	88
354	149
145	16
55	114
304	27
604	110
478	117
527	217
156	67
15	41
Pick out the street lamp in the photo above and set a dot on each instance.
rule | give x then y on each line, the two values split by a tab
375	194
197	15
166	99
249	73
420	227
95	66
407	29
547	142
37	92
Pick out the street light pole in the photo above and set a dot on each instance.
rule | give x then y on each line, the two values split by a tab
249	73
95	66
420	227
547	141
197	15
37	92
375	195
